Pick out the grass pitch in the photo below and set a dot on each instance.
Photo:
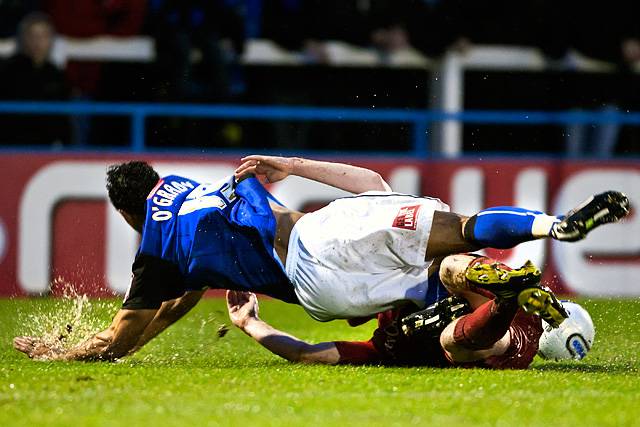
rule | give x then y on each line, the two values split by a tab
190	377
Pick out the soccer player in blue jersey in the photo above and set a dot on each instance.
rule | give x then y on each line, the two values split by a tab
358	256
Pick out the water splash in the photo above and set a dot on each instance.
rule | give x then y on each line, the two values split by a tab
68	320
214	320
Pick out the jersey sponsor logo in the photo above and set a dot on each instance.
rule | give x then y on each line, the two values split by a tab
407	217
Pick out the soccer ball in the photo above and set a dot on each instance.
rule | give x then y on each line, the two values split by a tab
572	340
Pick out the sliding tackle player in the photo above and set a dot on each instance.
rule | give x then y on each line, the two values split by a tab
474	327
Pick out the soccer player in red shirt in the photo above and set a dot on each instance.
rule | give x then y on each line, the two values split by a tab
473	327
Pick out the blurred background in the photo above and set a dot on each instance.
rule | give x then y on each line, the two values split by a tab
440	55
534	103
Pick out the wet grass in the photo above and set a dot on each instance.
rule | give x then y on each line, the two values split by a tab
190	377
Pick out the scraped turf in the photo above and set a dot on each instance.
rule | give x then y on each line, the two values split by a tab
190	377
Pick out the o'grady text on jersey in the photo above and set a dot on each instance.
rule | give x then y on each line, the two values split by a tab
163	196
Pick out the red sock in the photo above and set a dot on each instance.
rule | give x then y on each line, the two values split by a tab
486	325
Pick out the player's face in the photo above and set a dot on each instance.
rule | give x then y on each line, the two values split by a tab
135	222
38	39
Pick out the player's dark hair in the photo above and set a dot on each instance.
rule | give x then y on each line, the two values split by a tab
129	184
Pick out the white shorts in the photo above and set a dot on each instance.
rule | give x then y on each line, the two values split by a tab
362	255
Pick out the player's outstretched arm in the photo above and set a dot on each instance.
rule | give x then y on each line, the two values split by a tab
243	312
112	343
170	312
345	177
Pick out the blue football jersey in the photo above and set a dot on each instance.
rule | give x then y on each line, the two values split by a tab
207	235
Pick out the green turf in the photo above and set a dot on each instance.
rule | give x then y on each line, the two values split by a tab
190	377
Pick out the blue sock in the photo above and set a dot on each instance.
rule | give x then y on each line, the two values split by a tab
504	227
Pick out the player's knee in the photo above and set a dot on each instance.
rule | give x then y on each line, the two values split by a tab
455	351
447	338
452	271
460	350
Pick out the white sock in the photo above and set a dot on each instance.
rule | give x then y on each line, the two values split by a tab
542	225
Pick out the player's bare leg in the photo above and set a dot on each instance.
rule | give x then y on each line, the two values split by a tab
465	274
466	296
485	331
446	236
507	226
471	328
474	335
469	272
481	333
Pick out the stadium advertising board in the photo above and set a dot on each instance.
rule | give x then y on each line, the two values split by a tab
57	228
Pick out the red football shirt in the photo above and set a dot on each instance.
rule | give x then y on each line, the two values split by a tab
389	346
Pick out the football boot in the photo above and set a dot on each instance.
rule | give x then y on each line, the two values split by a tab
503	282
602	208
542	302
432	320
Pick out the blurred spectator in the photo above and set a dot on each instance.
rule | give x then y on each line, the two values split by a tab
501	22
284	22
90	18
306	25
214	28
11	12
434	25
605	31
29	75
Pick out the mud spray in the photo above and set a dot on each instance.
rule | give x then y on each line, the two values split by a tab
69	319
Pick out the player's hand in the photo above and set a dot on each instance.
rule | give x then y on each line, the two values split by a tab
266	168
35	348
242	307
